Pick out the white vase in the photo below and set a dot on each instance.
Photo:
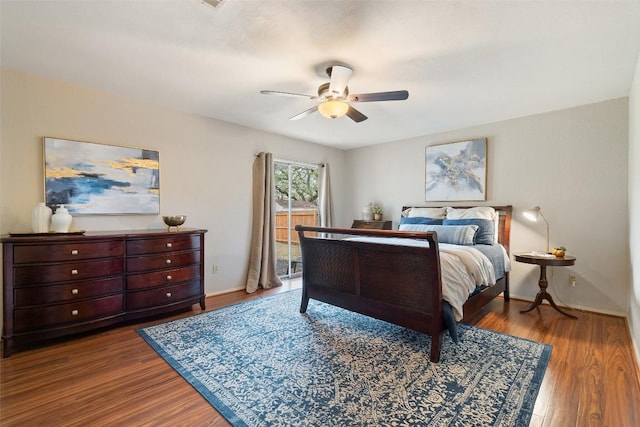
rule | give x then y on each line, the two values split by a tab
41	218
366	213
61	220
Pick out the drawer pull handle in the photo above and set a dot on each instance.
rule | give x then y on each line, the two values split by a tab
168	261
74	312
74	291
168	294
169	277
74	252
74	272
169	245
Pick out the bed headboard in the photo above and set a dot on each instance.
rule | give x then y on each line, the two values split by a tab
504	223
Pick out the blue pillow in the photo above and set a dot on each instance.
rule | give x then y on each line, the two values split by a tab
486	229
420	220
453	234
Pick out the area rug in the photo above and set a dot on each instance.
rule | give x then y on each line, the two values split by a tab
262	363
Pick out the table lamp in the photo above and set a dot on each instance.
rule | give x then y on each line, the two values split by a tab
532	215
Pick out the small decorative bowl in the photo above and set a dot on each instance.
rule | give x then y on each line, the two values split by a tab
174	220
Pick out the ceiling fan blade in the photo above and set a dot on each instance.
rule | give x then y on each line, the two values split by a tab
355	115
398	95
340	76
297	95
305	113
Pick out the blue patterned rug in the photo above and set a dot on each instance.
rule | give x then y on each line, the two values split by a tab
262	363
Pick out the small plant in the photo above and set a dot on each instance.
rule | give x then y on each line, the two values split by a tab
376	210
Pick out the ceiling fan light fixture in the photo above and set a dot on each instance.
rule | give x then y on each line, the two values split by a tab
334	98
333	108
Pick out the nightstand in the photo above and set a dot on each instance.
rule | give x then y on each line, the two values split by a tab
371	224
544	261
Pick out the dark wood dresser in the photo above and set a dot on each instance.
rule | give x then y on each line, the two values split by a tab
371	224
58	285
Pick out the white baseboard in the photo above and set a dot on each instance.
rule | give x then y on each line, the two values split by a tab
291	283
576	307
636	347
226	291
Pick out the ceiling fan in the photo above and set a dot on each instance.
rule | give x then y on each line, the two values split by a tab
335	98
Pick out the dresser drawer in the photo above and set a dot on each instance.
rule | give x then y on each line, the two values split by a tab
66	252
39	295
41	274
163	278
162	296
29	319
163	244
162	261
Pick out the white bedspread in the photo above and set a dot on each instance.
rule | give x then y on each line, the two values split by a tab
462	269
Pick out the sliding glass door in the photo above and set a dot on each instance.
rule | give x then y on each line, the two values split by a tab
296	202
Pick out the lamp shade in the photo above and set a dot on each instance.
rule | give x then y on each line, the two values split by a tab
532	214
333	108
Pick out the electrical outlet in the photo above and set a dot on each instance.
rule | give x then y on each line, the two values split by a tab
572	280
214	269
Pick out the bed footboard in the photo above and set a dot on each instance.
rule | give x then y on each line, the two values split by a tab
397	284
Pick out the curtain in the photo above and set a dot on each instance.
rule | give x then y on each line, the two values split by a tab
324	197
262	260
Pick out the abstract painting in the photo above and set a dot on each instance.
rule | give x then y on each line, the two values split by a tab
456	171
91	178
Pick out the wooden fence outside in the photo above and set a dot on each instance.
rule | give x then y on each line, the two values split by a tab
302	217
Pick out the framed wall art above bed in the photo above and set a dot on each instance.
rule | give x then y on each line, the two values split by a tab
91	178
456	171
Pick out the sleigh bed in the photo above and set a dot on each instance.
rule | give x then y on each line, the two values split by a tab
397	276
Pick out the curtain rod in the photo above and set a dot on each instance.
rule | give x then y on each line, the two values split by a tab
281	160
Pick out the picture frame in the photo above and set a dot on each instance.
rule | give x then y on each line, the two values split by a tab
99	179
456	171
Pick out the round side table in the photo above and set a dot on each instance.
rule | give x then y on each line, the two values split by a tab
543	262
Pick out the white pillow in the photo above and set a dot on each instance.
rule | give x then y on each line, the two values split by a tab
438	213
453	234
482	212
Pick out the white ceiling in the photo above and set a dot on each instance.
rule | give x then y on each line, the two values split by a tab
463	63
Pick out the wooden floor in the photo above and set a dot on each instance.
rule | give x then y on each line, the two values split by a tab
115	378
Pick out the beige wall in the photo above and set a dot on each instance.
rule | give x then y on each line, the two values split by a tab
205	164
572	163
634	208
